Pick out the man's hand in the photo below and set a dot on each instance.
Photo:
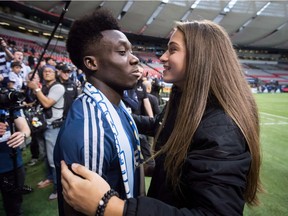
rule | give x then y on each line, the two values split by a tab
32	85
3	128
16	139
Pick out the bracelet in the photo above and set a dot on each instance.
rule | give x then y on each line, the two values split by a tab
37	90
103	202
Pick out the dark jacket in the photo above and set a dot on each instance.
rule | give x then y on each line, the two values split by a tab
69	96
213	175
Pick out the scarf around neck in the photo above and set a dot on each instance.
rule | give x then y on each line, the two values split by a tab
127	160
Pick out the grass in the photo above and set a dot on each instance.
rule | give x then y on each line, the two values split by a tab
274	140
274	136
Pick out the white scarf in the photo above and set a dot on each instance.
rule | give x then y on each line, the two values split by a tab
128	162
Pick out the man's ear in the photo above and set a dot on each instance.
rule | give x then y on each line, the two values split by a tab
91	63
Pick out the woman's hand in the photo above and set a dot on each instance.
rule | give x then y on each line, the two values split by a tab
82	194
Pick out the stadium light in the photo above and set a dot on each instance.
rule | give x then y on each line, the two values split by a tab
263	8
195	4
125	9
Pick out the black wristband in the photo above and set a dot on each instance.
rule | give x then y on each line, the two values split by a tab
103	202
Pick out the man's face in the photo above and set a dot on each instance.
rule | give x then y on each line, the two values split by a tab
64	75
117	66
18	56
49	74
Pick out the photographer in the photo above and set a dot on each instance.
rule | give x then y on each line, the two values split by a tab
12	178
51	97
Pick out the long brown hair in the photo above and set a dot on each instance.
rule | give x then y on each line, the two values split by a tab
212	67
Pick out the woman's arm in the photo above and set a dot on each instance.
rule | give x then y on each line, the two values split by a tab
84	194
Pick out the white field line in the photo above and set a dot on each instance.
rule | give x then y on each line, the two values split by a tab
274	123
273	115
281	122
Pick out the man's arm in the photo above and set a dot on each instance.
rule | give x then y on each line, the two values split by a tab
45	101
23	131
22	126
9	55
148	108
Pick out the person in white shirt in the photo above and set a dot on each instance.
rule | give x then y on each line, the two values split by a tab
15	75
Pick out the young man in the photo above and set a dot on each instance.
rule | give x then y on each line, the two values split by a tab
98	131
51	97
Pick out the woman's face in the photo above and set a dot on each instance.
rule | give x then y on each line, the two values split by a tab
174	60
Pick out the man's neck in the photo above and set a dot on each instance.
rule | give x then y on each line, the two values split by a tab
112	95
49	83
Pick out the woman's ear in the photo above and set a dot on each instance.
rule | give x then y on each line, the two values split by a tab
91	63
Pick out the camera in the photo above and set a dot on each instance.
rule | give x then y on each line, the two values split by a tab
10	98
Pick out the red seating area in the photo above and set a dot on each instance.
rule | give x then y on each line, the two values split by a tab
59	52
266	72
148	57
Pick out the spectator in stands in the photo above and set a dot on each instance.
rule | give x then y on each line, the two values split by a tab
15	75
31	60
11	45
152	98
41	67
51	97
18	57
50	61
9	173
81	76
5	55
98	130
156	88
144	106
70	87
207	146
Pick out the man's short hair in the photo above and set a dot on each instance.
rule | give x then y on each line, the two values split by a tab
86	32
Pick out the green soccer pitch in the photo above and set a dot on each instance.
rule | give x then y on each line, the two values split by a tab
273	109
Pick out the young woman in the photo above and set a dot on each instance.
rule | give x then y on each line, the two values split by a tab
207	149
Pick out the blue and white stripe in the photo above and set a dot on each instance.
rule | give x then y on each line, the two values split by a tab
125	149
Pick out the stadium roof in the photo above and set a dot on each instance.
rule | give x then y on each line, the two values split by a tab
259	24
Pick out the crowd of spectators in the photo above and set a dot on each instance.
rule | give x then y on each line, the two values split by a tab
34	94
18	73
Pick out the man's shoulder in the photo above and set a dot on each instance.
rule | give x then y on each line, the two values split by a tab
57	86
84	101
